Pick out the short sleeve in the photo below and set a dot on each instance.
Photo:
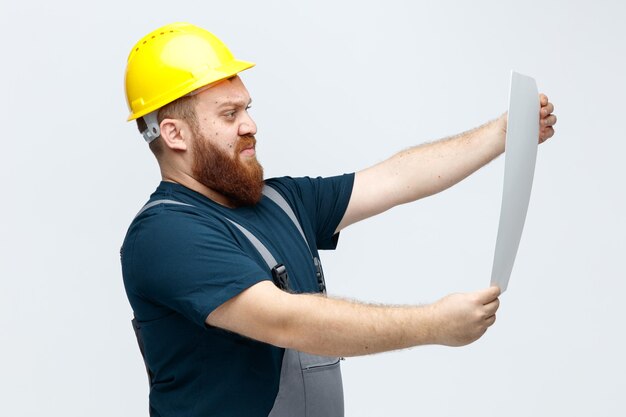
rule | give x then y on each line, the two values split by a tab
187	264
324	201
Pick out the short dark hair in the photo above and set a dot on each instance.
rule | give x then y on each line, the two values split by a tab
183	108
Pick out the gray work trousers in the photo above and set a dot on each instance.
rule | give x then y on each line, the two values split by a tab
310	386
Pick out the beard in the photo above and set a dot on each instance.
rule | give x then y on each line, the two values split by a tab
240	180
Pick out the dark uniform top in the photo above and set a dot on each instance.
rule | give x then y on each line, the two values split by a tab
181	262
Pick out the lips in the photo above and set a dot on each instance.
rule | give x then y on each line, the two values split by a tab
247	145
248	152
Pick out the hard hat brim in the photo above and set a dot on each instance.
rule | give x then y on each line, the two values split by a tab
213	76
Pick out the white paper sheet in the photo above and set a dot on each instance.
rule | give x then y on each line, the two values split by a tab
519	167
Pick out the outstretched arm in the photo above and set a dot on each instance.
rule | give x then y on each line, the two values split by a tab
325	326
430	168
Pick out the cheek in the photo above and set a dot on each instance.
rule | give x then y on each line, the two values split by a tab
223	135
226	138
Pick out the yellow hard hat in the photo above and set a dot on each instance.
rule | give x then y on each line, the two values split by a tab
173	61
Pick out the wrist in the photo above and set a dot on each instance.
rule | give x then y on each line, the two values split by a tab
431	324
500	126
493	135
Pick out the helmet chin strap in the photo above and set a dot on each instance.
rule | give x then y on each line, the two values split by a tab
151	130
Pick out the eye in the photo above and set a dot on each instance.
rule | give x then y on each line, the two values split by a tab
232	113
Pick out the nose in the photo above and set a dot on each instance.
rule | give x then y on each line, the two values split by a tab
247	126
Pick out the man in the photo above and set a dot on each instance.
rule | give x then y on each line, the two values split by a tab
222	269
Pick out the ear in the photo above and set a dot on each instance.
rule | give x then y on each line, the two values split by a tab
175	134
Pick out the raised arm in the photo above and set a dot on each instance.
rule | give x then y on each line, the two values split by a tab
324	326
430	168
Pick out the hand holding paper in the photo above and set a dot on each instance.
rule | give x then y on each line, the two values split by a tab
529	122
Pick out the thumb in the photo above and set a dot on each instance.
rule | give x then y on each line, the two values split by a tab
487	295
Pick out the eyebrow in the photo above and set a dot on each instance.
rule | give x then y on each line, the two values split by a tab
234	103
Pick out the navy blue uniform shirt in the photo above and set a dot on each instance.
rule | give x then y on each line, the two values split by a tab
181	262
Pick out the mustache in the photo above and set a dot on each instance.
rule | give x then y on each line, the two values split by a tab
245	142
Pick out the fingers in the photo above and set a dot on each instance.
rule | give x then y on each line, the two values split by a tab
491	308
465	317
547	109
546	118
488	295
546	131
549	121
545	134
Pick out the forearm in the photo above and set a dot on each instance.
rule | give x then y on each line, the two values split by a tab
422	171
321	325
430	168
334	327
325	326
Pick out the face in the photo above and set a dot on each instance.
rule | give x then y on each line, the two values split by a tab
224	145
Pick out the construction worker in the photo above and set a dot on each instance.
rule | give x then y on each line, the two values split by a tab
221	267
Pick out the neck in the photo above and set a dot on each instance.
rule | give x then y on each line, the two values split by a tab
188	181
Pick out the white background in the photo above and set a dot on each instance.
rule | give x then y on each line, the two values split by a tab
338	86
